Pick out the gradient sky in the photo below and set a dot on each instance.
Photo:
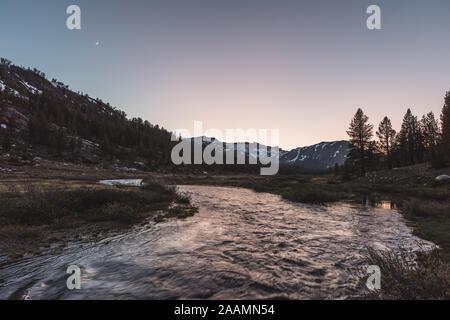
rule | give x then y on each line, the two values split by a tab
301	66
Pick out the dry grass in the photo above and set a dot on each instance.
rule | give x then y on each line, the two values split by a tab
36	214
403	278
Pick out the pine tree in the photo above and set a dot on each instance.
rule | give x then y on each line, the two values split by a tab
360	133
396	155
410	140
386	135
445	120
444	147
430	131
372	154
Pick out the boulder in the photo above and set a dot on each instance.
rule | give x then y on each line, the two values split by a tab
442	177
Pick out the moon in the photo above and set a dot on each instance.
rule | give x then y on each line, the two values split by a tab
97	43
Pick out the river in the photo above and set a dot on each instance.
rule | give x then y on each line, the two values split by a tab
240	245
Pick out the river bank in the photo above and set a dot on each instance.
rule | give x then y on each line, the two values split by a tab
424	201
240	245
36	217
414	191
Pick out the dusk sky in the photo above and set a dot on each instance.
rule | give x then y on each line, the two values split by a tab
303	67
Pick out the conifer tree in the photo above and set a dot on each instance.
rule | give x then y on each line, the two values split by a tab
386	135
360	133
445	120
430	130
444	147
410	139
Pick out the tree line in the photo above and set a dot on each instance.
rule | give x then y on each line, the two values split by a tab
73	126
418	141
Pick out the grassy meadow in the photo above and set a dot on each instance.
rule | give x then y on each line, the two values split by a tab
36	215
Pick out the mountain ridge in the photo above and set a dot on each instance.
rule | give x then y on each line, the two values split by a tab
45	117
322	156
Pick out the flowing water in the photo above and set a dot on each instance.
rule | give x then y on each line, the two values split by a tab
241	244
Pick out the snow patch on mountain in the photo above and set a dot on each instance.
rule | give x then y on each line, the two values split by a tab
296	157
30	88
319	156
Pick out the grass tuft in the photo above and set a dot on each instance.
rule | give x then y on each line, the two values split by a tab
406	278
34	213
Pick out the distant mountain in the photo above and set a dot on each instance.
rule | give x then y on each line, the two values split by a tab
241	148
320	156
45	118
323	155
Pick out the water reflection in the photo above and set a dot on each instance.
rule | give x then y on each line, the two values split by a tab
387	205
383	204
241	244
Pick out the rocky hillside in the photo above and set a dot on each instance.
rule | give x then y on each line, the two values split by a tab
39	117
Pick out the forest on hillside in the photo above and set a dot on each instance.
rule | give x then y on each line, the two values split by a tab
70	125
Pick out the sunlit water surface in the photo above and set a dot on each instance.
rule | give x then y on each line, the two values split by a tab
241	245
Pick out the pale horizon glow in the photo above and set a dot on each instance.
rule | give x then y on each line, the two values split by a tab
303	67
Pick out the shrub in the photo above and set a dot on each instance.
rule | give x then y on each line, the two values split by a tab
426	277
183	199
426	208
36	207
